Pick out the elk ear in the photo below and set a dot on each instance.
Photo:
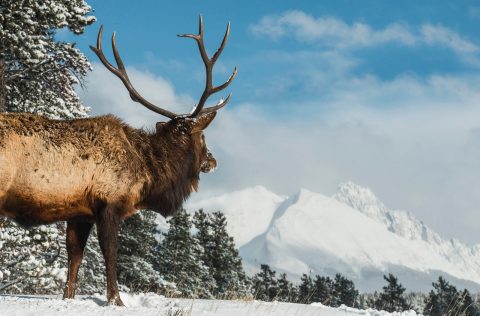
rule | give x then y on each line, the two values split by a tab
159	126
202	122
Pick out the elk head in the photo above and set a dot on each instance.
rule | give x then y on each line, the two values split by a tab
185	128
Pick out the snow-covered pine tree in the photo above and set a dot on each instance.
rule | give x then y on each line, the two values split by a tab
38	74
31	260
323	290
40	71
306	290
137	253
392	298
286	291
264	284
203	234
442	299
344	292
179	260
220	254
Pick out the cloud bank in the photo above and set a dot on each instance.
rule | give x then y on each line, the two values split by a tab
424	157
335	33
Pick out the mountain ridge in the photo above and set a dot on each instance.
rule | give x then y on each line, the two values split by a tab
352	233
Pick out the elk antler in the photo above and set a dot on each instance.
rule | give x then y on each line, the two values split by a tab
121	73
209	62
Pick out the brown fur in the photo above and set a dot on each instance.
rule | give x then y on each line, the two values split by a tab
96	170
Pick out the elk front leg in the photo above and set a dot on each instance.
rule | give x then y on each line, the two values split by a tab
107	227
77	236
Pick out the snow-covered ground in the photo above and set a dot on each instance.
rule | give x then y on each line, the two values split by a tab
154	305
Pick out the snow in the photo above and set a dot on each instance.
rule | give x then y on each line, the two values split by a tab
352	233
248	211
154	305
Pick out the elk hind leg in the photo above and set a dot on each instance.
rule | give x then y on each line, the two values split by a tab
107	227
77	236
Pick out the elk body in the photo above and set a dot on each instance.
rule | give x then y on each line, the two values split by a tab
100	170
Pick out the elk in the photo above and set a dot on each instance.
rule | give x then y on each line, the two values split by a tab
100	170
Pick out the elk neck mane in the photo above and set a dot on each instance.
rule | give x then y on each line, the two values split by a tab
170	159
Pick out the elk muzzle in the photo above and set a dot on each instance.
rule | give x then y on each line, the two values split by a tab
209	163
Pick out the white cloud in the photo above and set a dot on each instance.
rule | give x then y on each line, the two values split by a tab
437	35
331	31
421	157
105	93
414	141
335	33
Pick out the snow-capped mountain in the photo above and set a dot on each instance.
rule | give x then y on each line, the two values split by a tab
248	211
352	233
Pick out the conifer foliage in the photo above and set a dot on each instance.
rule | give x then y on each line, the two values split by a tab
264	284
392	298
445	299
40	72
180	259
323	292
219	253
306	289
332	292
137	253
31	260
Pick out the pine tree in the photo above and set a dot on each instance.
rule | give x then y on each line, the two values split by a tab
392	298
468	306
41	72
306	290
286	291
203	234
226	263
31	260
136	253
264	284
344	292
323	290
442	299
179	260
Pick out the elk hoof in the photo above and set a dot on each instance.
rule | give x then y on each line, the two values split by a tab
68	293
115	301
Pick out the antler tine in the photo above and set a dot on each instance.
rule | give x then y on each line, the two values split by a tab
99	52
222	46
216	107
209	89
121	73
117	55
199	39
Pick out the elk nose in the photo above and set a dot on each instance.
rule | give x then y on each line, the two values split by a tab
209	165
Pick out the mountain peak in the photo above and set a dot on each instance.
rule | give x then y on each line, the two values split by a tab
362	199
249	210
400	222
352	233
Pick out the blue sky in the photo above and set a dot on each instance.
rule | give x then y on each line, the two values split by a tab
146	35
383	93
